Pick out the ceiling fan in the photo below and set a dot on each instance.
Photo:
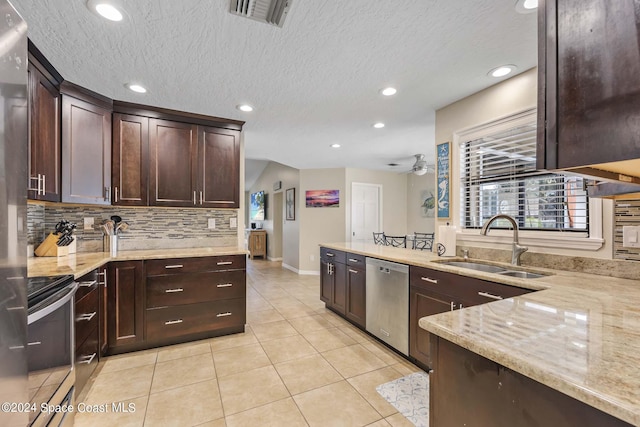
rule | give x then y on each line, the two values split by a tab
420	167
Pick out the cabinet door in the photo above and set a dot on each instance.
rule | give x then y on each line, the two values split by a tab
339	294
125	306
421	304
130	165
356	296
590	102
219	168
172	151
326	281
86	152
44	118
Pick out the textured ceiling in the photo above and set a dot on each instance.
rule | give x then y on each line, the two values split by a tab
313	82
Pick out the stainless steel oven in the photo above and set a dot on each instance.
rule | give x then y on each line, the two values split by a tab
50	350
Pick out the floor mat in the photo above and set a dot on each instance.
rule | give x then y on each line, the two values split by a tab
410	396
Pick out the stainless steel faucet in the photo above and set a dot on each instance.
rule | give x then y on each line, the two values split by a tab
516	249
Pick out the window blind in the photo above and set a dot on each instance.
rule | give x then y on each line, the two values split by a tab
498	173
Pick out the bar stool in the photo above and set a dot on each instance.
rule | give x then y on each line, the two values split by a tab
395	241
423	241
378	238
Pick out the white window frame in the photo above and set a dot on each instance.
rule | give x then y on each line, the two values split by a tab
533	238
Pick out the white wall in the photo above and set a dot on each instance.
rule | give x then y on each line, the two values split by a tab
505	98
319	225
394	198
416	186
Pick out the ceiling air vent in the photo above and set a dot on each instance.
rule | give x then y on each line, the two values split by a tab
268	11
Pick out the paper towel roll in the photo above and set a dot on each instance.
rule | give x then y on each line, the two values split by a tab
447	240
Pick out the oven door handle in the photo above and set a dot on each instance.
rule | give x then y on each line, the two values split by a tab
55	301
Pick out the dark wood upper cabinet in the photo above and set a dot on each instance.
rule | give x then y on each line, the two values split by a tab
86	146
589	88
130	162
44	123
219	167
173	153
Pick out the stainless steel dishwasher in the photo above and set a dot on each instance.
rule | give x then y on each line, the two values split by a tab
388	302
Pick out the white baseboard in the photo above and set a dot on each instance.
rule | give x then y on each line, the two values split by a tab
301	272
274	259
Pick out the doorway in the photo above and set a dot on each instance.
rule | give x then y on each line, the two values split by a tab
366	217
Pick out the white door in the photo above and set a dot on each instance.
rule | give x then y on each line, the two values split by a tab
366	200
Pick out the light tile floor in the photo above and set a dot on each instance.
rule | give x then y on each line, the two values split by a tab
297	364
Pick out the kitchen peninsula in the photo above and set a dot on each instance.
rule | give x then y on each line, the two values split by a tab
577	334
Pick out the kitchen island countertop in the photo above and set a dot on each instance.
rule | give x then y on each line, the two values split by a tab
580	334
82	263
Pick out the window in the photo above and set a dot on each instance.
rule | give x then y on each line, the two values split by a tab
498	176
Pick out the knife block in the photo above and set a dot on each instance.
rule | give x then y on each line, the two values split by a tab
50	248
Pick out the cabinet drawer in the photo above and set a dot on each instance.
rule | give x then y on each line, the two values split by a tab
86	284
158	267
464	288
193	318
86	314
86	360
356	260
191	288
332	255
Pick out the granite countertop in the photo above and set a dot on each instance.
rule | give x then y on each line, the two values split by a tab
82	263
580	334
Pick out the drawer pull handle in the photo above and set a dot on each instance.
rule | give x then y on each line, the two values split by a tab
224	285
174	266
330	254
228	313
351	270
173	322
488	295
171	291
87	284
429	279
87	359
353	260
34	343
86	316
225	263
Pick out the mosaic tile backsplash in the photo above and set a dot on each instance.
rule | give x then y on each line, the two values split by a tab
627	212
149	228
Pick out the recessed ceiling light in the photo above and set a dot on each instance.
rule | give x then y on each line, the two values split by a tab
136	88
378	125
335	146
501	71
108	9
526	6
388	91
244	107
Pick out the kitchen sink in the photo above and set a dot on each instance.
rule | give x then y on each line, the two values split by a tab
521	274
488	268
474	266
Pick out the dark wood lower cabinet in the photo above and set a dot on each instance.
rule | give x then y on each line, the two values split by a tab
421	304
356	291
161	302
468	389
87	328
125	303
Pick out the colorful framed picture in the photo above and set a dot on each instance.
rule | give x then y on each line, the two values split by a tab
322	198
443	164
290	204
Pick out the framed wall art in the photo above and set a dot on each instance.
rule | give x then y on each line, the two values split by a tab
290	204
322	198
443	164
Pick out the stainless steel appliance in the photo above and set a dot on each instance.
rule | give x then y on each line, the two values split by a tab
388	302
14	143
50	349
